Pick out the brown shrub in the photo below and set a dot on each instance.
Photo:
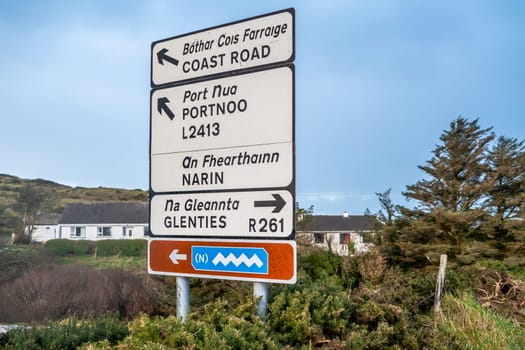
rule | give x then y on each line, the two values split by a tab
75	291
372	266
500	291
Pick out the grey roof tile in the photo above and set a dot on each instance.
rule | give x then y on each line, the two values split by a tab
106	213
338	223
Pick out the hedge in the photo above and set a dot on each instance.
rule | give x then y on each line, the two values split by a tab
109	247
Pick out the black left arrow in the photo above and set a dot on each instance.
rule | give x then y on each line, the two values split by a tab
161	57
278	203
162	105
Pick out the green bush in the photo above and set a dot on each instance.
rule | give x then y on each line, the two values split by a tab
109	247
68	334
61	247
214	329
317	265
311	310
65	247
83	247
121	247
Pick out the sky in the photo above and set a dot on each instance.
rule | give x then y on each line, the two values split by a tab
376	84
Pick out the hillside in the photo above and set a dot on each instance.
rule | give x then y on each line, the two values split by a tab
9	186
66	194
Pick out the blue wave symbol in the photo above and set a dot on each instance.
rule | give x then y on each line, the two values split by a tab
230	259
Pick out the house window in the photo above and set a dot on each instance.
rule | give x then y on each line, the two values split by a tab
104	231
78	232
127	231
318	238
344	238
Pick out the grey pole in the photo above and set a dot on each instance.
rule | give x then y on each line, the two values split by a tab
260	291
183	297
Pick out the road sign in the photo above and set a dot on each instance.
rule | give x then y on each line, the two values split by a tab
246	214
266	261
242	110
246	167
239	130
249	43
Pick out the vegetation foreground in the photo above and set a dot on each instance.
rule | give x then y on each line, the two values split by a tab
338	303
470	206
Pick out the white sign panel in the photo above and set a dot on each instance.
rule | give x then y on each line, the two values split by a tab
249	43
243	110
254	214
259	166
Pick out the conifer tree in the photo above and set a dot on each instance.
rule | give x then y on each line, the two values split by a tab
449	202
506	197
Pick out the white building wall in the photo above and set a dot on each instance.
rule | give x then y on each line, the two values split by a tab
332	241
117	232
43	233
139	232
64	232
91	233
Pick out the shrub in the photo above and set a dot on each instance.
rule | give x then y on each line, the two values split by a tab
75	291
108	247
310	311
61	247
17	259
68	334
317	265
122	247
214	329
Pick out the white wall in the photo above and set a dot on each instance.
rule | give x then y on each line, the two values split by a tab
137	232
332	239
43	233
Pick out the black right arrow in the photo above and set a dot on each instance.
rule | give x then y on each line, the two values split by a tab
162	105
278	203
161	57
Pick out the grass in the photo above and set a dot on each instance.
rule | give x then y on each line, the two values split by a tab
515	271
125	263
467	325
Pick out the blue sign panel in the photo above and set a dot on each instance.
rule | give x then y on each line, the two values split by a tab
230	259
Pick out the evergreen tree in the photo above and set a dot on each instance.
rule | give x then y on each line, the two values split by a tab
449	202
506	198
389	222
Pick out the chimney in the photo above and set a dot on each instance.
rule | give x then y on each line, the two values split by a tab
345	214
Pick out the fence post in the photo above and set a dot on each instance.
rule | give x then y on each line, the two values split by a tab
440	283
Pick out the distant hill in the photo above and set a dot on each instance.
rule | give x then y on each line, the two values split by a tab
66	194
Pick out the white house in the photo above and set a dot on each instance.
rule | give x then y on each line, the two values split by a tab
46	227
336	232
95	221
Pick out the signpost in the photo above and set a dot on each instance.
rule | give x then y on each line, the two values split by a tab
249	43
227	133
259	214
258	261
222	157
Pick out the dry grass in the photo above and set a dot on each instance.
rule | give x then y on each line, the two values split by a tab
465	324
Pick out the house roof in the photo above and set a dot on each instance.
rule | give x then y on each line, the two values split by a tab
48	219
106	213
338	223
